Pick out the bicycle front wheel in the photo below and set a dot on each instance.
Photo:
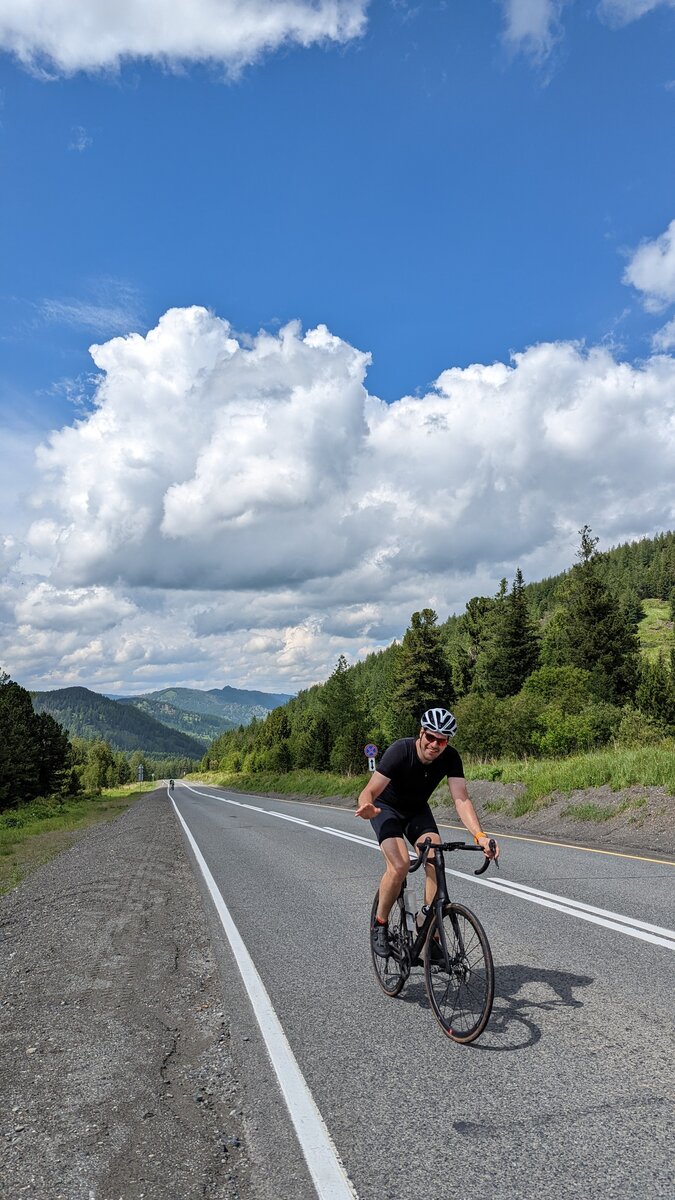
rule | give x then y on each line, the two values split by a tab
393	971
461	984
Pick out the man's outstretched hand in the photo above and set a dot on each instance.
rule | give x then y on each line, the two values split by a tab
367	810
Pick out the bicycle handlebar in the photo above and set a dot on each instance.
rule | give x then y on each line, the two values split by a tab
449	846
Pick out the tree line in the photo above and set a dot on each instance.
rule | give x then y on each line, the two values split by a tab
523	678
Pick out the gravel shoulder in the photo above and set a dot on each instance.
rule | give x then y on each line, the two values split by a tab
120	1079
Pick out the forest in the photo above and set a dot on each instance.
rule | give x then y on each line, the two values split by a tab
545	670
538	670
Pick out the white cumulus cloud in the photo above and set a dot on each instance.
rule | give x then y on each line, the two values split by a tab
622	12
81	609
533	25
664	339
74	35
651	270
241	509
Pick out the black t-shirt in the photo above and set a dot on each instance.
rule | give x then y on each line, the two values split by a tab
412	781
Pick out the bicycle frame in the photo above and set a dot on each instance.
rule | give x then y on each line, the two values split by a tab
414	946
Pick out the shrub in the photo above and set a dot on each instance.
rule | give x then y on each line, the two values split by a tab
567	687
564	733
638	729
479	726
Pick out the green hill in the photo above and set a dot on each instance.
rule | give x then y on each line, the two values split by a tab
203	726
89	715
655	630
639	570
234	706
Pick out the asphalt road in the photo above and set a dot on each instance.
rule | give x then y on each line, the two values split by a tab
568	1092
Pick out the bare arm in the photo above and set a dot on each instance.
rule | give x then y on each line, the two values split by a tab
467	813
366	803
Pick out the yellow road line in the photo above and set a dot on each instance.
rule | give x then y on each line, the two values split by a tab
519	837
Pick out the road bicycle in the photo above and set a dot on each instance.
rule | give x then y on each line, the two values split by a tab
452	945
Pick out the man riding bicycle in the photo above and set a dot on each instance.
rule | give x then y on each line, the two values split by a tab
409	772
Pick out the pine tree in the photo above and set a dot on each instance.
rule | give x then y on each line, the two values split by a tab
490	639
19	746
345	719
595	634
54	754
422	674
470	640
516	644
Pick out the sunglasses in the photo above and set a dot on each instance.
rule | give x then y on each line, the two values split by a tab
441	741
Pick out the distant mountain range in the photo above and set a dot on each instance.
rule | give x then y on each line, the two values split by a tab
89	715
233	705
202	726
180	722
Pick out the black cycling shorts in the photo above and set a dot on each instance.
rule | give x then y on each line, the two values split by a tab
389	823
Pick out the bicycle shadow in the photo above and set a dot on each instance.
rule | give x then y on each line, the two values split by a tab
521	991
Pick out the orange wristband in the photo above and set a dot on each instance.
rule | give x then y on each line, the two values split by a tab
478	836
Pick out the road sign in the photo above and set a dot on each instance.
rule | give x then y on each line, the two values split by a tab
370	750
139	776
371	764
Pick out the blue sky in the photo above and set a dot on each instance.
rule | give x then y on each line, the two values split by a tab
439	185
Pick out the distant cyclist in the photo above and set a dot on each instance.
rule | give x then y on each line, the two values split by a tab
171	785
409	772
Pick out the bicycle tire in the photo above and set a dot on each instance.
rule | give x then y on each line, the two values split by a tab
461	998
392	972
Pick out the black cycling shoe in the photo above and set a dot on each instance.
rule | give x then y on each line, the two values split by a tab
379	940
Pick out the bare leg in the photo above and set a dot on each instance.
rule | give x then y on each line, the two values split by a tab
398	861
430	881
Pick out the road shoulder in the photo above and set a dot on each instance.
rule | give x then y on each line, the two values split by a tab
122	1080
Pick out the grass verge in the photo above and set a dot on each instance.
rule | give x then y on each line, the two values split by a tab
653	766
299	783
34	833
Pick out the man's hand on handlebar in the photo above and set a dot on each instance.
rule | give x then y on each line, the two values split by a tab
489	846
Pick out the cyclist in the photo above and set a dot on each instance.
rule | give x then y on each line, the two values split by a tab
171	785
409	771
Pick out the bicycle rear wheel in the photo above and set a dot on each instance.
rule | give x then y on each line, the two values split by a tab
393	971
461	990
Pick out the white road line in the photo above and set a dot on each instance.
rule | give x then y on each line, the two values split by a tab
572	908
285	817
645	932
329	1176
601	912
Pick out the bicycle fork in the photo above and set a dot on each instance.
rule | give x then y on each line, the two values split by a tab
453	963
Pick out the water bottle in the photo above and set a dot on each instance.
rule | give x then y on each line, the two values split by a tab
409	910
422	915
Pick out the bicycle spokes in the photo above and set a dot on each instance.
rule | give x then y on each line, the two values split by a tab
460	989
393	970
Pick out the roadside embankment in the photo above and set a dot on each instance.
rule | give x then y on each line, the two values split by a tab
631	819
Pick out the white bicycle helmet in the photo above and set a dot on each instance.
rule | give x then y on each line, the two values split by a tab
440	721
